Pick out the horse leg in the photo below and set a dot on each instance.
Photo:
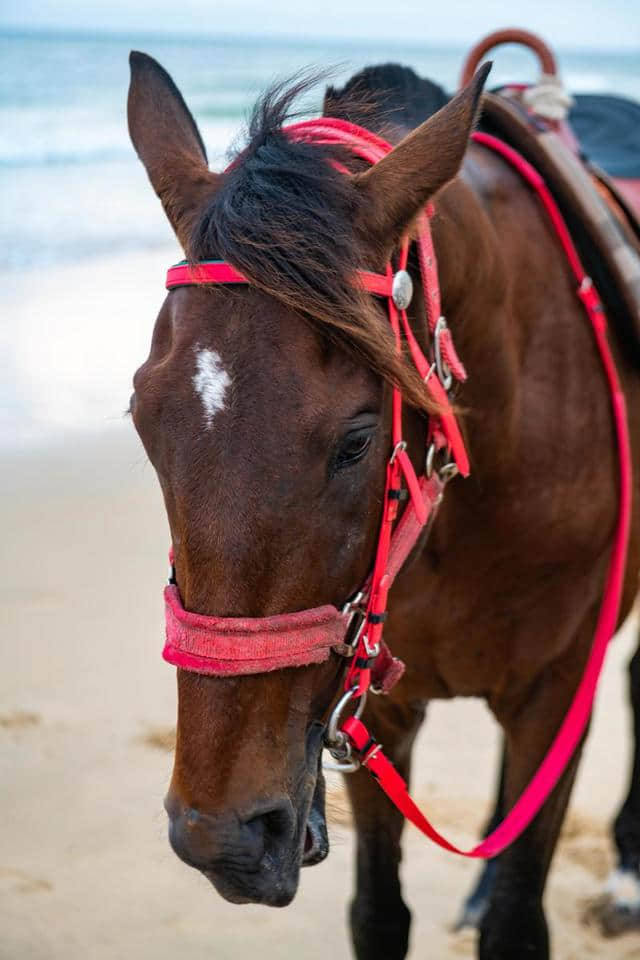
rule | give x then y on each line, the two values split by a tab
380	919
514	926
621	909
477	903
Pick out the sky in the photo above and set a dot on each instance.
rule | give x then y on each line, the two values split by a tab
581	24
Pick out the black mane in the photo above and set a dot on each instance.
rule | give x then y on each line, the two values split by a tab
386	97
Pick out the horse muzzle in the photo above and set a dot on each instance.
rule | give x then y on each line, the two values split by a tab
250	859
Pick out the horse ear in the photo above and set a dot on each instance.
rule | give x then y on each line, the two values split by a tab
169	144
399	185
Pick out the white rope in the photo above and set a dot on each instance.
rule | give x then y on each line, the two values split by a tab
548	98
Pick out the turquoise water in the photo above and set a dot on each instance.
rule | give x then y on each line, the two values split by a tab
70	185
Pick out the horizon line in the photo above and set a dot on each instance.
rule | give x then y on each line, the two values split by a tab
180	35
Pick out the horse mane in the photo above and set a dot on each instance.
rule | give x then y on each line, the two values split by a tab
388	97
287	219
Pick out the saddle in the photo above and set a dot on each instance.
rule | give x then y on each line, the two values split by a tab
600	209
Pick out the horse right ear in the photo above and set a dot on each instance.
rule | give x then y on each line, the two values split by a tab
169	144
396	189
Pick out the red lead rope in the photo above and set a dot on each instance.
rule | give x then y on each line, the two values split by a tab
575	722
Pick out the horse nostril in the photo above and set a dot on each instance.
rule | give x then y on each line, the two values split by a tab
274	824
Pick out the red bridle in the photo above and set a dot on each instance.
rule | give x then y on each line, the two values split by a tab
225	646
230	646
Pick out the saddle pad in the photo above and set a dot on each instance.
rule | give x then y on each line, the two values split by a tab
608	128
607	247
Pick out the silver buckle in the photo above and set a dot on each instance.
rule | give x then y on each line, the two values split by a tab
371	651
353	608
444	372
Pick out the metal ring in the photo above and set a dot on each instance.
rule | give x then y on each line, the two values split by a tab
341	766
331	738
448	471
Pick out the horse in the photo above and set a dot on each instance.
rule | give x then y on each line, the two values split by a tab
265	409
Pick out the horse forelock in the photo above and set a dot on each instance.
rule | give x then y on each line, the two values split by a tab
288	220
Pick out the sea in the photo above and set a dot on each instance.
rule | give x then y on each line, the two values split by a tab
83	240
71	187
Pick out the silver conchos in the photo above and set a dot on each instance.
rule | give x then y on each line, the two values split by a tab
402	289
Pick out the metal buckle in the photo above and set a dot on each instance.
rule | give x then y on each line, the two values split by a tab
444	373
371	651
354	609
336	741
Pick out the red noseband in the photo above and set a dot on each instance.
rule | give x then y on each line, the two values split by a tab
229	646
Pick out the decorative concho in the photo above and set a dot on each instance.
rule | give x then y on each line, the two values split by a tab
402	289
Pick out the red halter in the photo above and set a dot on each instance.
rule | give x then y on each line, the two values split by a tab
225	646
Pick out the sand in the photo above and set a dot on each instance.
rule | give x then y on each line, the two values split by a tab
86	725
87	709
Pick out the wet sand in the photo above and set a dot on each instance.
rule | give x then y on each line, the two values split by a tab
86	727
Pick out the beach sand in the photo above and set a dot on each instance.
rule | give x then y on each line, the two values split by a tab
86	728
87	709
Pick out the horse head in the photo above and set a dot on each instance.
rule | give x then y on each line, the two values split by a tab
265	411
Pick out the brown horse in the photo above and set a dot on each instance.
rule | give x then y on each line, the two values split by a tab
265	412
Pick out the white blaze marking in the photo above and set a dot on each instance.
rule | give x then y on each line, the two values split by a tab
210	382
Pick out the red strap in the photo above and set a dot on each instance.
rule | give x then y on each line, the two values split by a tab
424	495
205	271
219	271
376	283
576	719
449	426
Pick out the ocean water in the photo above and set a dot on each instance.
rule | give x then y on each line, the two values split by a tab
83	240
71	187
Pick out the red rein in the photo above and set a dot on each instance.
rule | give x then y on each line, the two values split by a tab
231	646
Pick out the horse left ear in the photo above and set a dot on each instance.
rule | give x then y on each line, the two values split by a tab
399	185
169	144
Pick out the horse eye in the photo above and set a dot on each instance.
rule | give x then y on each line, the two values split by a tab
352	448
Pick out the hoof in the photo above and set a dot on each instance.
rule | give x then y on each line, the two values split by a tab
618	909
477	903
